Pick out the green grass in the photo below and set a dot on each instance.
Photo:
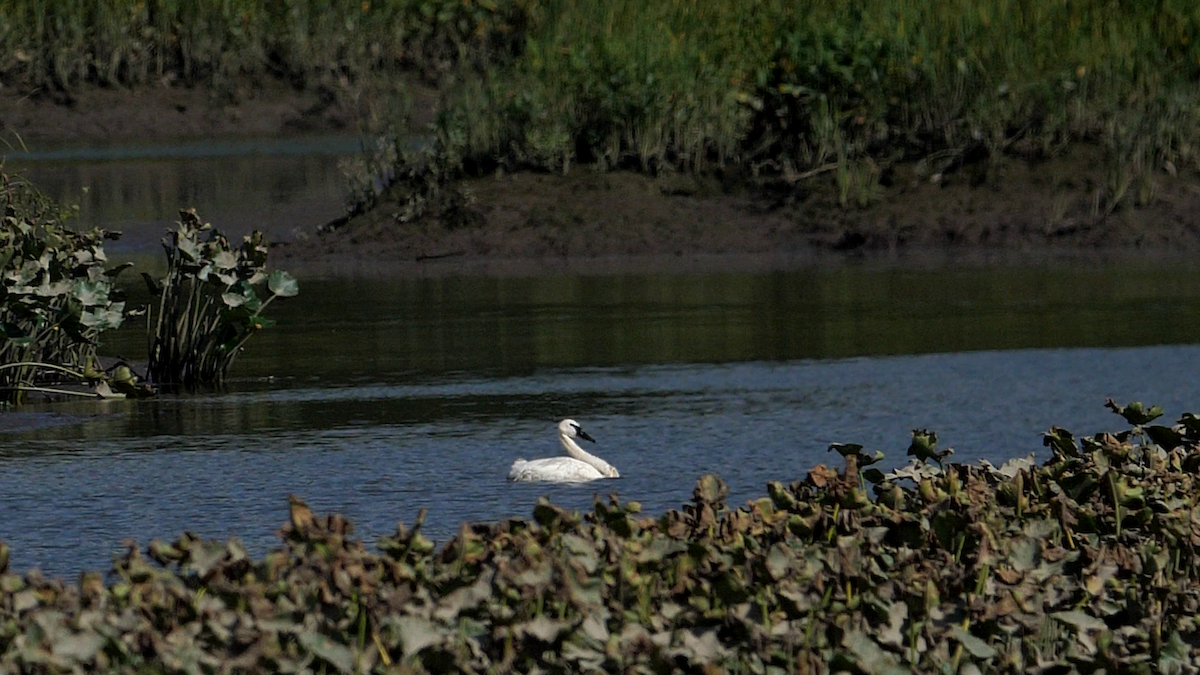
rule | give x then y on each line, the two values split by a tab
774	91
58	45
787	87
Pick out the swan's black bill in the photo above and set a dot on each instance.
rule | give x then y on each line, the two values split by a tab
583	434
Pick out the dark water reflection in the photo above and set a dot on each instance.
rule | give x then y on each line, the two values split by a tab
377	397
284	187
376	328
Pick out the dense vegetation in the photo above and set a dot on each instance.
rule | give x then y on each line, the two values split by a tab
771	91
778	92
56	45
58	295
1085	563
208	302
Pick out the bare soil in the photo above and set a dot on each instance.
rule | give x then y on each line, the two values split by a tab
1012	209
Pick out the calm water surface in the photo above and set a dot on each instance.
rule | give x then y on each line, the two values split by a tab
376	397
285	186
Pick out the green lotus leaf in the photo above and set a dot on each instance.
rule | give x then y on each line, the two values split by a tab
924	446
23	275
89	293
978	648
416	633
846	449
870	657
85	258
48	290
710	490
242	294
78	647
116	271
335	654
204	556
104	318
185	243
153	285
543	628
283	284
779	560
1080	620
1176	655
702	649
1165	437
1134	413
225	260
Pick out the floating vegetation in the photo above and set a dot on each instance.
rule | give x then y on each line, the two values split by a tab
57	295
208	303
1082	564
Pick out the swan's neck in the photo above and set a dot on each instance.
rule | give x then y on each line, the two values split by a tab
582	455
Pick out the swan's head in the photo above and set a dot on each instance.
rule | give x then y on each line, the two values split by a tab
571	429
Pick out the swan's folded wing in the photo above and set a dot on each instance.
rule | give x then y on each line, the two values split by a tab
554	470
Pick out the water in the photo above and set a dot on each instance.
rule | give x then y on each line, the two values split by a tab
377	397
284	187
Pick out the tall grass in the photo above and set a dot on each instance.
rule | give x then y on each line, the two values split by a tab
789	90
774	89
59	44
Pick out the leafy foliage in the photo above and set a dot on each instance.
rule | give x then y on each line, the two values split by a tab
208	303
56	294
1084	563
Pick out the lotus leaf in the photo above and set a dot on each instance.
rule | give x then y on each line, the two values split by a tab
282	284
208	304
337	655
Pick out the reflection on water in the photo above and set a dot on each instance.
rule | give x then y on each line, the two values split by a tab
379	397
281	186
346	331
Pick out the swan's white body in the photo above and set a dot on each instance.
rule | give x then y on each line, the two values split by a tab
580	467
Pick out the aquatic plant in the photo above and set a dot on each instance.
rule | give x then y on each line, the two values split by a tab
208	302
57	295
1081	564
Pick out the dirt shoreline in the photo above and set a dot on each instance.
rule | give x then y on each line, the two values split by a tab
1012	211
607	223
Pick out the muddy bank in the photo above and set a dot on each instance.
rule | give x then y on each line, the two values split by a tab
1012	211
1006	211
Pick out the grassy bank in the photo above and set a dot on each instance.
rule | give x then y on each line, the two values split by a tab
1082	564
784	93
50	46
781	95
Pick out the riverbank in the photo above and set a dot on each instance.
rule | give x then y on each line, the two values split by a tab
602	222
1005	211
814	130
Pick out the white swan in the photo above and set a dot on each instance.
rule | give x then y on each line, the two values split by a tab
580	467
